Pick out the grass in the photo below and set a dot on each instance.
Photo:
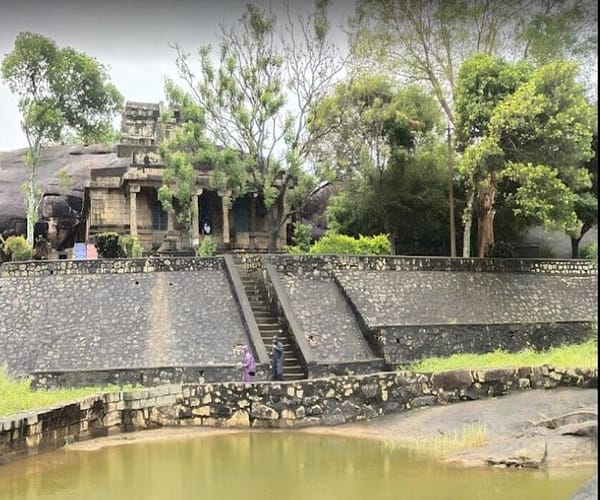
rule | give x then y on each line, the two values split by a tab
16	395
568	356
473	435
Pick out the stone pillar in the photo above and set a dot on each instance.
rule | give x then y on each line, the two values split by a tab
133	190
195	221
225	206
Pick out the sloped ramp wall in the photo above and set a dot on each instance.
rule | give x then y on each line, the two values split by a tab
100	316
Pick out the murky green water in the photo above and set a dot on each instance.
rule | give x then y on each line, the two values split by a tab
262	465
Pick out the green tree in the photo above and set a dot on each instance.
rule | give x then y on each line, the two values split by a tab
61	92
427	40
183	152
586	204
483	82
379	142
538	137
256	101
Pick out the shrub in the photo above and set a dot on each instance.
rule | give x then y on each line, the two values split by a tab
301	239
333	243
501	250
207	247
545	252
17	248
131	247
108	245
589	251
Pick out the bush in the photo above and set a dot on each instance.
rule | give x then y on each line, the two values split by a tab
131	247
545	252
108	245
333	243
207	247
17	248
301	239
589	251
501	250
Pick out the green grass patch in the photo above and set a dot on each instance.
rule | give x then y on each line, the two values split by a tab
568	356
16	395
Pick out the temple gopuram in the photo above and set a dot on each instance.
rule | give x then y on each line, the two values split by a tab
122	197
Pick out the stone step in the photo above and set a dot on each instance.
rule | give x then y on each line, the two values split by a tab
271	326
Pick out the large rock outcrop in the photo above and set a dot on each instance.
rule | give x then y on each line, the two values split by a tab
61	207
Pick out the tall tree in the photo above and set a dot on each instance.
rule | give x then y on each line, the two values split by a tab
538	136
427	40
61	92
586	204
257	98
379	140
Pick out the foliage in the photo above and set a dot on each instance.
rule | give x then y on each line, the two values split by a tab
501	250
589	251
333	243
429	40
546	252
61	92
108	245
16	395
256	100
380	141
131	247
535	140
184	150
17	248
583	355
207	247
301	238
4	255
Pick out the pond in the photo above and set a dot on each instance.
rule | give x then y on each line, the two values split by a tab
265	465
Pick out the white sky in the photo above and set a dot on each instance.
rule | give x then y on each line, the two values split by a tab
130	37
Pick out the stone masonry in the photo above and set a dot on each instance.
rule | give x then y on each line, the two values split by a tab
328	401
179	320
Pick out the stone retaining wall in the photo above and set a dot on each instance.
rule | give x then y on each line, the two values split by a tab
326	265
109	266
404	344
317	402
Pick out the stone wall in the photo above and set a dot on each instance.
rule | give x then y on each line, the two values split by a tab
447	298
347	314
109	266
91	317
315	402
404	344
325	265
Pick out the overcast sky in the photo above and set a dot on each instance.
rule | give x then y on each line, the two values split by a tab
130	37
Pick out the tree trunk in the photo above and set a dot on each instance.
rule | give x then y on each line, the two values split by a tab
252	228
485	219
274	219
467	219
575	247
31	206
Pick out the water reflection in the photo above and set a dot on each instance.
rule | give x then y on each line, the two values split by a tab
269	465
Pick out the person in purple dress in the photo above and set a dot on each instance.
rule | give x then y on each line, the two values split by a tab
248	365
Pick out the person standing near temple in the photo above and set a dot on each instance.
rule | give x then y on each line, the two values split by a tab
277	359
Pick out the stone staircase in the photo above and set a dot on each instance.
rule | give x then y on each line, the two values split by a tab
269	326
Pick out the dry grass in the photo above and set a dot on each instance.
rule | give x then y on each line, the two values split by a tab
473	435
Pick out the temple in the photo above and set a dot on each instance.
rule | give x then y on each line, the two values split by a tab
123	196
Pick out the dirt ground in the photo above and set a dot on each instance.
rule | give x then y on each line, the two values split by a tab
522	429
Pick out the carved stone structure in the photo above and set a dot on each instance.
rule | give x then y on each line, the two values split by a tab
123	196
